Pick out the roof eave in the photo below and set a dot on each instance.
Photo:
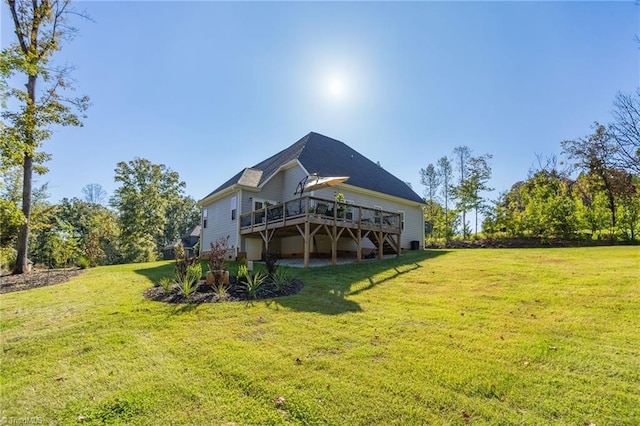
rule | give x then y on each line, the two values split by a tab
225	192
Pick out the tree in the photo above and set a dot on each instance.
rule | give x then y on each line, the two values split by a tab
461	191
182	213
95	227
480	173
445	171
629	205
146	191
625	130
11	216
595	155
592	211
94	193
40	27
430	178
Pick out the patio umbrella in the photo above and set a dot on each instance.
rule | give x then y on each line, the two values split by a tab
313	182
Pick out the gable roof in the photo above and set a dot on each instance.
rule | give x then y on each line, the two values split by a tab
327	157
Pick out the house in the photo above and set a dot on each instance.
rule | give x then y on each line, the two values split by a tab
189	240
268	209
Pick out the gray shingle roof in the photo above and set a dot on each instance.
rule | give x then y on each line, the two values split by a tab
327	157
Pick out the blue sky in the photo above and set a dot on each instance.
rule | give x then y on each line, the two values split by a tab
208	88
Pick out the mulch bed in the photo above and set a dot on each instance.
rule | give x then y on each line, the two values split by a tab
520	243
206	293
35	279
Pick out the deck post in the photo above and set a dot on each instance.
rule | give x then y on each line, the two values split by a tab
381	243
307	242
334	243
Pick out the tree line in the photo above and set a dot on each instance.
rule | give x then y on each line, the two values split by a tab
147	212
593	194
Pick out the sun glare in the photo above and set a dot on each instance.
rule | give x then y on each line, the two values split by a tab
336	88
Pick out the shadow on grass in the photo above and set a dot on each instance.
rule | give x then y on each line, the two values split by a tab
326	289
154	273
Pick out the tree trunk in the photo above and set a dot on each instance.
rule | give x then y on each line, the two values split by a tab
22	266
23	236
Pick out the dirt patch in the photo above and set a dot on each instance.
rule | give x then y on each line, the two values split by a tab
35	279
206	294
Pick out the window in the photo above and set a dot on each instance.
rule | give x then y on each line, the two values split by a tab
234	207
259	204
401	219
204	217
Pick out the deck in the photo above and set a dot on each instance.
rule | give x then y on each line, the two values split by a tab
308	216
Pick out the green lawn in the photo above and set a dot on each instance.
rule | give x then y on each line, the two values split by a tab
505	336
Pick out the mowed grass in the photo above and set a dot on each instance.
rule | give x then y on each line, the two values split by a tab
507	336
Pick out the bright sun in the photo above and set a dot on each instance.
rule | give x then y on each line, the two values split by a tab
336	87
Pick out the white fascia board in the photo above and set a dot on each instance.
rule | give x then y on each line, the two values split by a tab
225	192
291	164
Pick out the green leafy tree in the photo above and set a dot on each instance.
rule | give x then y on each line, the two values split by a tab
146	192
595	155
592	211
630	207
430	179
40	27
96	228
479	175
11	216
542	206
445	171
182	214
462	191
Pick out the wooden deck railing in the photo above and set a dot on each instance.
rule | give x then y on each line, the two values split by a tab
320	210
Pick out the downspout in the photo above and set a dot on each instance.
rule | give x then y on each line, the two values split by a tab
422	207
238	213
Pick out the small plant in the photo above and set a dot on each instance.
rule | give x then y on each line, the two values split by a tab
188	284
221	290
281	279
243	272
251	283
165	283
83	262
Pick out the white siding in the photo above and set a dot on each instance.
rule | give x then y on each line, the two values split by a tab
219	223
291	179
272	191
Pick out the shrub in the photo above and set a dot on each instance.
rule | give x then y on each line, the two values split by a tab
217	259
222	290
281	279
270	261
251	283
188	284
183	261
243	273
83	262
248	282
165	283
7	258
